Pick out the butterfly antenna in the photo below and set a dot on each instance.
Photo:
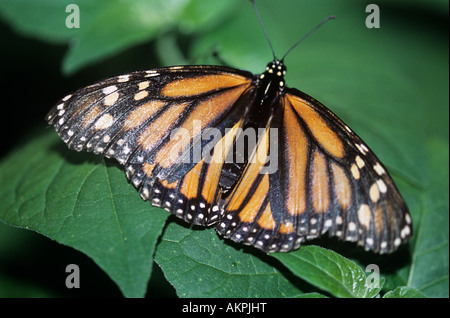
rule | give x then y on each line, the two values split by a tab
309	33
264	28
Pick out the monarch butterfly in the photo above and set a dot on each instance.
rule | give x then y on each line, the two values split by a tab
326	179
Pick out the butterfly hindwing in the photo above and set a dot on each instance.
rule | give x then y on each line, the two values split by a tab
340	185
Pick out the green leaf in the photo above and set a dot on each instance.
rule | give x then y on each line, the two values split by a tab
329	271
198	264
79	201
404	292
429	271
107	27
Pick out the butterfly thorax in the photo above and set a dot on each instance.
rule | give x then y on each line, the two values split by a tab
268	87
273	78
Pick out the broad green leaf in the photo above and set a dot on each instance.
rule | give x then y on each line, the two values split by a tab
404	292
107	27
198	264
329	271
429	272
79	201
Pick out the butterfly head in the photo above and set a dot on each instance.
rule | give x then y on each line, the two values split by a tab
276	68
275	72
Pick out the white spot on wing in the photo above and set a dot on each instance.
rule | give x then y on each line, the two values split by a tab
123	78
364	215
140	95
144	85
351	226
110	89
111	99
374	192
381	186
359	162
379	169
104	122
355	171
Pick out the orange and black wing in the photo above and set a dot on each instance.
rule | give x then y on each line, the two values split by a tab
328	181
157	124
175	130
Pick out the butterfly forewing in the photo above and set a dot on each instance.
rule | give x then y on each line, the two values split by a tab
178	131
152	123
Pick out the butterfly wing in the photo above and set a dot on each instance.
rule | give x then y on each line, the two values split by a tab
328	181
154	123
308	173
